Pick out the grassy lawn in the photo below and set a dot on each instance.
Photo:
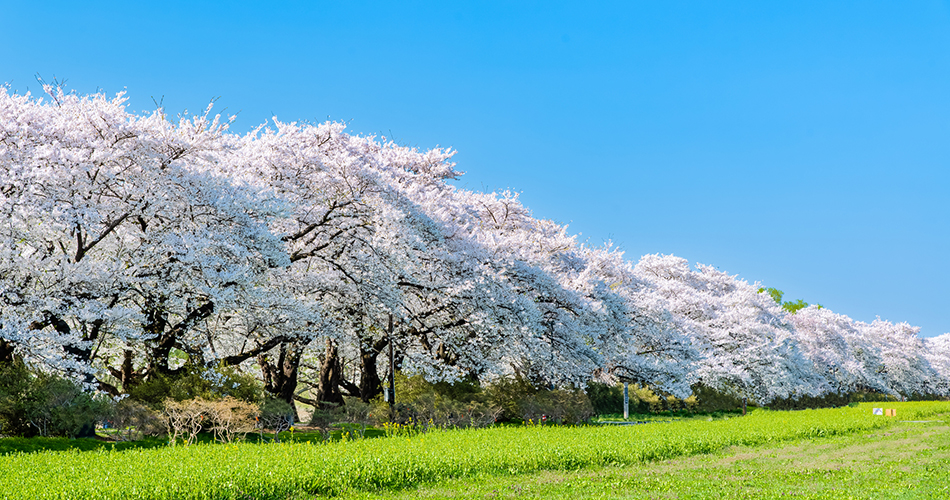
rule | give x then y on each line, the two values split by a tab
835	453
907	460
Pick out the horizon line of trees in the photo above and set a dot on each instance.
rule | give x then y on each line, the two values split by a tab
136	250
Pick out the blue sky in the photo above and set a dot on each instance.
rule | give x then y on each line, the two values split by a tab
800	144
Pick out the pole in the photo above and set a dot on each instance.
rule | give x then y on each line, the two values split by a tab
391	374
626	402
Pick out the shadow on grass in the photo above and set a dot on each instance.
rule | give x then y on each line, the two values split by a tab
9	445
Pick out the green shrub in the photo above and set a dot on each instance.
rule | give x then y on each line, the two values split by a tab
44	404
15	381
507	393
520	400
133	421
427	405
276	415
870	397
192	382
710	400
605	399
54	406
810	402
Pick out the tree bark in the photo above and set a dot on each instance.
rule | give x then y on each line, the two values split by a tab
331	374
370	383
280	378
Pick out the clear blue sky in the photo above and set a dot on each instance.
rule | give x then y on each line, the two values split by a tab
800	144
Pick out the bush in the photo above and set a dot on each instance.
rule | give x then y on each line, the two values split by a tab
323	418
710	400
47	405
277	415
192	382
557	406
15	381
434	410
184	419
810	402
358	414
231	419
425	405
133	420
871	397
605	399
519	400
228	418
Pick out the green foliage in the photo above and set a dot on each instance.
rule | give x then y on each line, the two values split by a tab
810	402
794	307
774	292
711	400
272	408
608	400
58	407
192	382
277	415
131	421
306	470
324	417
791	307
15	381
870	396
605	399
424	405
508	393
520	401
47	405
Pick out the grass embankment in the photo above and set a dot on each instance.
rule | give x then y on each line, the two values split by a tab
902	461
280	471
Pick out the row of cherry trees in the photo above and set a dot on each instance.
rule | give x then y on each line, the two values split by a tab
134	246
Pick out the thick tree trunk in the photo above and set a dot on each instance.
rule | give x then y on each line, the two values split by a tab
370	383
331	375
280	378
159	345
166	336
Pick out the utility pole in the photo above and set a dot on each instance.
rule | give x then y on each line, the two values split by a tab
626	402
391	390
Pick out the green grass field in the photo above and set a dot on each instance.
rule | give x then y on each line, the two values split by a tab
685	459
903	461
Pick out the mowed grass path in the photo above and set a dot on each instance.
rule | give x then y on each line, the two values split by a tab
281	471
904	461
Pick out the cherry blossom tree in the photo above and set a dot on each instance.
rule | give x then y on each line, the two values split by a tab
937	352
903	364
302	251
116	243
838	350
747	347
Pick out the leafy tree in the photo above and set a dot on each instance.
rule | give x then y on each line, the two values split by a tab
791	307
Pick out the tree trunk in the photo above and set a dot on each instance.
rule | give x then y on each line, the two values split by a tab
280	378
127	374
166	336
331	375
370	383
